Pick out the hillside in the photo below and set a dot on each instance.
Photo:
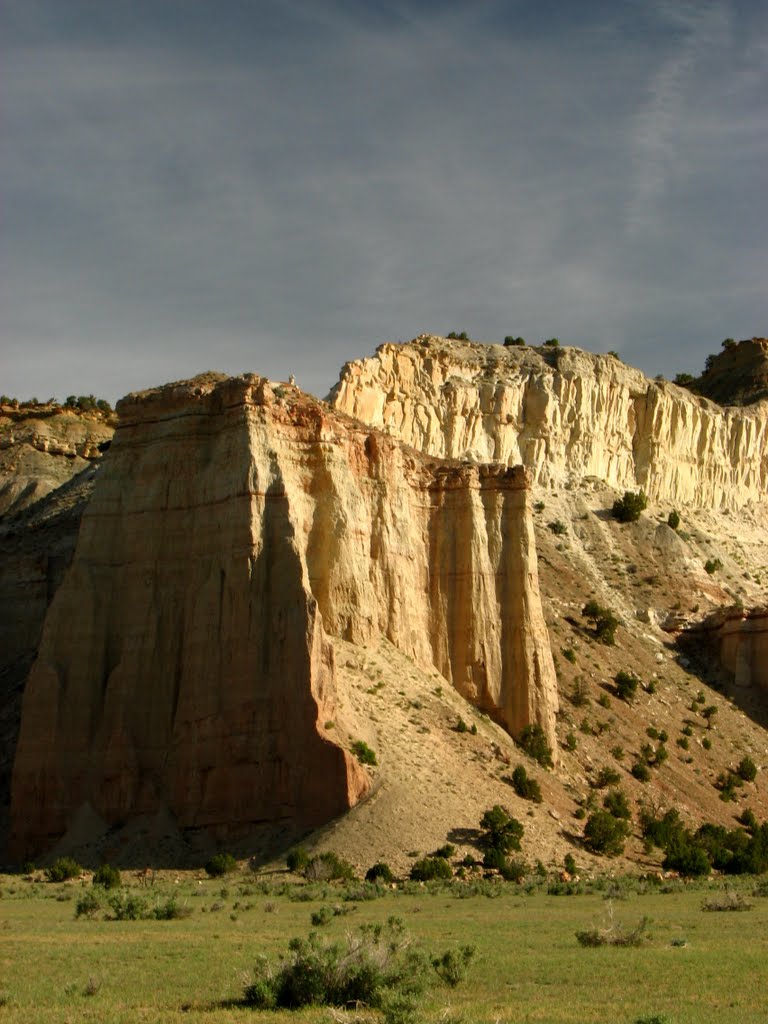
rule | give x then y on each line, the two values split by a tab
577	426
43	446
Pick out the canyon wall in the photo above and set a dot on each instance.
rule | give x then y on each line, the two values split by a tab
564	414
184	664
737	638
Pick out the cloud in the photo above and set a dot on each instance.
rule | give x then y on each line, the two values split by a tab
279	187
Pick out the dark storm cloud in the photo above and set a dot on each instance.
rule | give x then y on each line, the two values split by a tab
280	186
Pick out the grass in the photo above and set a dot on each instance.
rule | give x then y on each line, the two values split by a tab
528	966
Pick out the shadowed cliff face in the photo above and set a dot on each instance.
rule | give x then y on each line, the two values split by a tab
183	664
564	414
737	639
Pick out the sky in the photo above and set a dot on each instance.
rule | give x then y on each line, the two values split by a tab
279	186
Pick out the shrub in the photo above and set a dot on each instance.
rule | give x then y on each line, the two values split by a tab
571	742
220	864
461	726
658	831
511	869
328	867
107	876
605	834
728	783
509	340
525	786
429	868
606	777
684	854
578	695
170	910
534	743
552	343
514	869
712	565
614	935
63	869
321	917
457	336
616	803
363	752
127	906
558	527
748	820
447	851
729	901
640	771
673	519
629	508
88	905
626	685
747	769
604	700
499	831
451	967
380	872
709	713
569	654
603	620
297	859
373	967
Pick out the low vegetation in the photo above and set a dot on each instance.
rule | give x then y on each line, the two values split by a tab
534	743
377	966
525	786
630	506
463	936
363	753
604	622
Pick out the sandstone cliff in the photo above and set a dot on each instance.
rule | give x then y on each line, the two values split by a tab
184	663
565	414
737	639
738	375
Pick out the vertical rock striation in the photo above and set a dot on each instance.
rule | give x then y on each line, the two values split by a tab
564	414
738	640
184	664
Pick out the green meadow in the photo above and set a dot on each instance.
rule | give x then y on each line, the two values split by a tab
696	967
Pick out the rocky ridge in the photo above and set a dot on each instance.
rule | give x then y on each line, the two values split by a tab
565	414
242	526
738	375
42	447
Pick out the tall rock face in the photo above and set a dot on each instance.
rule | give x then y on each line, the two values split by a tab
36	547
564	414
184	664
737	638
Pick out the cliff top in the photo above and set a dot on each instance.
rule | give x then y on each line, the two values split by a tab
738	375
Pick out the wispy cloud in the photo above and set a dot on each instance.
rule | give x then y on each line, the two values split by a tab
698	35
280	186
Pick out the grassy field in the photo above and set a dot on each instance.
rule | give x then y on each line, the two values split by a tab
698	967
